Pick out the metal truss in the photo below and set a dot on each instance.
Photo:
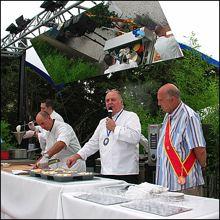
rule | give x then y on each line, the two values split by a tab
14	45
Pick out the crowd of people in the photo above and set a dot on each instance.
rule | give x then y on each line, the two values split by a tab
181	148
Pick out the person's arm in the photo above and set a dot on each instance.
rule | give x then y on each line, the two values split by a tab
88	149
195	139
92	146
56	148
62	140
72	160
200	153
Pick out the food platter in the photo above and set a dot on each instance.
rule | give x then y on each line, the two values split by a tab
61	175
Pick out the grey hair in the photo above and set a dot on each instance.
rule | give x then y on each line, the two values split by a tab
116	91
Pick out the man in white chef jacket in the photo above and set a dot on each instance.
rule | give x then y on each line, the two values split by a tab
166	46
117	140
47	106
61	142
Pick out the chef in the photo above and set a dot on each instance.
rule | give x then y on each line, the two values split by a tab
61	142
117	139
47	106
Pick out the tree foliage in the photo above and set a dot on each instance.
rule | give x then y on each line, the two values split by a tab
60	67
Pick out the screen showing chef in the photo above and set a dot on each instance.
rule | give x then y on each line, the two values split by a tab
107	38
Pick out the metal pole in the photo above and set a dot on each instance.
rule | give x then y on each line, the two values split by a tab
22	92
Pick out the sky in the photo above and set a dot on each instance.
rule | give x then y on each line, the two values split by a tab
201	17
184	17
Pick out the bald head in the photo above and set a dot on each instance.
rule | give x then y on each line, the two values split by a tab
168	97
44	120
170	90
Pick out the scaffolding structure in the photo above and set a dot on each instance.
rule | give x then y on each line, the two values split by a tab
15	44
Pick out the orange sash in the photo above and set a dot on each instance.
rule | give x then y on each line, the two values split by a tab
180	168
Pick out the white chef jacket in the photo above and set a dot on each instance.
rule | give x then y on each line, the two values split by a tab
168	48
41	135
62	131
121	155
55	115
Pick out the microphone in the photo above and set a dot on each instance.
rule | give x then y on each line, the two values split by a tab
110	112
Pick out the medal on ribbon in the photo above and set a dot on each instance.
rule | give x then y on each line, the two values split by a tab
106	140
181	180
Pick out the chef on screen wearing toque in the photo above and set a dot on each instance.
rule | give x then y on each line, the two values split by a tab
61	142
117	139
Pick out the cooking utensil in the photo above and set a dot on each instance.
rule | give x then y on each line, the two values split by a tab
46	165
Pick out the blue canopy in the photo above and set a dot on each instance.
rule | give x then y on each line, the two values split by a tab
208	59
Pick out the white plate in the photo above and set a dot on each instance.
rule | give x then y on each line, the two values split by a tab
173	194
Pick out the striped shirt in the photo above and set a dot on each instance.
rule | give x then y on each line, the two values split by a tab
186	134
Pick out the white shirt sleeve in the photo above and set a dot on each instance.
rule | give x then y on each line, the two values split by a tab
64	133
92	145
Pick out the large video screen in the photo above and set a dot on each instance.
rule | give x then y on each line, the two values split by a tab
107	38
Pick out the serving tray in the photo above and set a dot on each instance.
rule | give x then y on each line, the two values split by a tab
62	175
102	199
68	177
157	208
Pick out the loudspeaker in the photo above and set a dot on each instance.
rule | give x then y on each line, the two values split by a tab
79	25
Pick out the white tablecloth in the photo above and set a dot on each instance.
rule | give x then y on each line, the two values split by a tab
32	197
202	208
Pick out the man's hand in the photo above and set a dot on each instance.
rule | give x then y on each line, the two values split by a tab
72	160
31	126
28	134
110	124
43	162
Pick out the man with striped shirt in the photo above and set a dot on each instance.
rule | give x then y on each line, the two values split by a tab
181	149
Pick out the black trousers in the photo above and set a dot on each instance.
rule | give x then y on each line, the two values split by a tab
128	178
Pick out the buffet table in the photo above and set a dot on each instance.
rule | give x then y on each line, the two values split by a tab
23	196
26	197
202	208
